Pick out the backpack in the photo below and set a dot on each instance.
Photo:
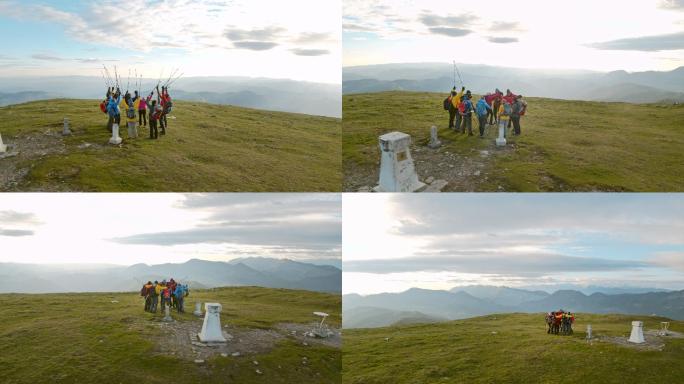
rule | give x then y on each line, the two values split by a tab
168	106
156	115
167	293
130	112
461	107
447	101
523	109
507	109
103	106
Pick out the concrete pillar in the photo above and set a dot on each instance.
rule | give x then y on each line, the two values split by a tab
3	147
66	131
637	335
397	172
167	314
115	139
434	140
211	328
501	140
589	332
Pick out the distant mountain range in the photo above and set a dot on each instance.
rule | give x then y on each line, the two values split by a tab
264	272
421	305
636	87
259	93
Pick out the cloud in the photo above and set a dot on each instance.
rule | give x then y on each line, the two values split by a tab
502	40
255	45
672	4
432	20
672	41
309	52
521	265
41	56
15	232
505	26
353	27
313	38
673	260
264	34
451	32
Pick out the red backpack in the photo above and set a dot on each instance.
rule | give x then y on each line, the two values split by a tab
103	107
461	106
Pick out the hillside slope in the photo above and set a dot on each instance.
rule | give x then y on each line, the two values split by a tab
564	146
207	148
512	348
84	338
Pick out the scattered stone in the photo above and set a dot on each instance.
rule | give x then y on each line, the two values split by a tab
255	362
365	188
436	186
258	372
477	173
484	153
305	344
429	180
198	344
223	354
84	146
235	354
199	361
114	301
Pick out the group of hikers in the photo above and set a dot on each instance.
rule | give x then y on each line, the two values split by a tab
164	293
560	322
492	108
136	107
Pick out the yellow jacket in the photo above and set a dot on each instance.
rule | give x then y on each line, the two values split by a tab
457	99
159	288
500	112
124	109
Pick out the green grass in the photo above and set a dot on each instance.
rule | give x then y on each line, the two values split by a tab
466	351
56	338
564	146
207	148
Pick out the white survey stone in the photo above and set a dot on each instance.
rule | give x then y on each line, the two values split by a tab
66	131
637	335
132	129
501	140
397	173
211	329
434	140
198	309
3	147
589	332
167	314
115	139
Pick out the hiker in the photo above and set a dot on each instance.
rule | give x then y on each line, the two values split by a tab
146	293
483	110
517	109
504	114
167	106
160	102
130	106
172	287
158	287
495	104
113	108
165	295
451	105
489	100
155	115
510	97
142	111
467	110
179	294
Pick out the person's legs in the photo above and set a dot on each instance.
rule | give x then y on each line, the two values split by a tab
458	122
452	116
469	124
110	122
483	121
162	124
516	124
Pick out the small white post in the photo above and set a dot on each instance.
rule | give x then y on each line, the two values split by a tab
501	140
115	139
167	314
637	335
211	328
198	309
434	140
664	327
66	131
589	332
397	173
3	147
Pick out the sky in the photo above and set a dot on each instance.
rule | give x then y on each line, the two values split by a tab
601	35
255	38
393	242
154	228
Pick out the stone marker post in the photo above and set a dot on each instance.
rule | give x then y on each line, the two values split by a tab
198	309
211	328
115	139
3	147
501	140
167	314
434	140
66	131
664	327
397	173
589	332
637	335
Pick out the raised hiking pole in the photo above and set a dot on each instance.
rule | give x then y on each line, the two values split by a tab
459	74
174	80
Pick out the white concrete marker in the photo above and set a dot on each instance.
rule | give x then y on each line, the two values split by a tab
211	329
3	147
501	140
132	129
115	139
397	173
198	309
589	332
167	314
664	328
434	140
637	335
66	131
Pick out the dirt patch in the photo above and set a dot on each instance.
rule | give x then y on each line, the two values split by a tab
24	150
653	341
464	171
179	338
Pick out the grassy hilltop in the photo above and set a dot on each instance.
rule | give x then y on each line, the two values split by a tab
207	148
88	338
510	348
565	145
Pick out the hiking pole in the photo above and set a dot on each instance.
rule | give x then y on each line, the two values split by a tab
174	80
170	76
459	74
454	73
128	80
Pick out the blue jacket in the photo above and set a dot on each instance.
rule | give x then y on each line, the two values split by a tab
113	105
482	107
